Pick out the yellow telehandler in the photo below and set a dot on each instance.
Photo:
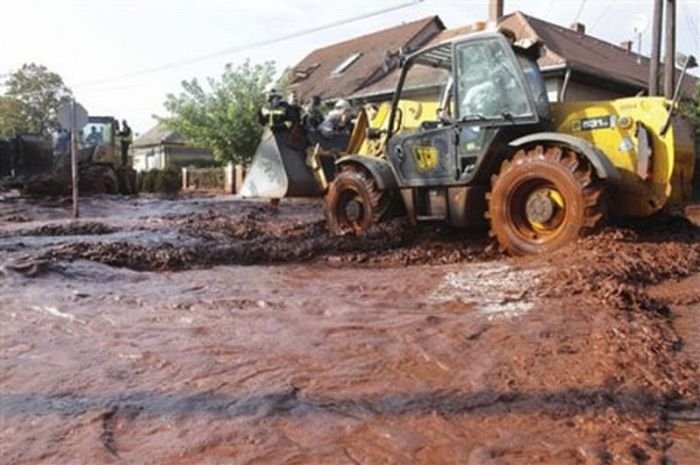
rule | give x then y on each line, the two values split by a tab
493	146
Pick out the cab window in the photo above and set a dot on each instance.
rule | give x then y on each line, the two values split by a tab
488	82
535	82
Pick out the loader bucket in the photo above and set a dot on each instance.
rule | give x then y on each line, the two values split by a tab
279	169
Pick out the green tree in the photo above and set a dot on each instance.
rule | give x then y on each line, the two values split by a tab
31	100
691	107
222	117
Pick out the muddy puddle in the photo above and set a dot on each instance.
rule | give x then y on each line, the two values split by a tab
148	342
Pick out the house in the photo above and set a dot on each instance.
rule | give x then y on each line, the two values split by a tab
575	66
342	69
161	148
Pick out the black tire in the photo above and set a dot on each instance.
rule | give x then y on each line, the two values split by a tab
544	198
99	179
354	202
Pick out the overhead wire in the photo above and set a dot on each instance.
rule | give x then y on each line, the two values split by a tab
580	10
692	27
549	8
600	17
248	46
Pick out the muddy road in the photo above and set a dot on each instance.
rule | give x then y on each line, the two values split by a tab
214	330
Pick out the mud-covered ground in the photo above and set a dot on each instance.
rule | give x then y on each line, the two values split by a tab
215	330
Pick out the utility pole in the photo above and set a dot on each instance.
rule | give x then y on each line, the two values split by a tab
670	48
655	48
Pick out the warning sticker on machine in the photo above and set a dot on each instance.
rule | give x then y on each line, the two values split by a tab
589	124
426	157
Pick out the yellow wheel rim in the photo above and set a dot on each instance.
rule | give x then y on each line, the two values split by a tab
544	210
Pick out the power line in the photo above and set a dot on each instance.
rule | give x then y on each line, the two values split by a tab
600	17
251	45
548	10
578	15
693	29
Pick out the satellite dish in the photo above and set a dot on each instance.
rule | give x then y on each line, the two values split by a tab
639	23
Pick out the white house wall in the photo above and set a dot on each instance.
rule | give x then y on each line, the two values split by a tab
149	158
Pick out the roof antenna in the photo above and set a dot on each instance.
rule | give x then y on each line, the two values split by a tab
639	25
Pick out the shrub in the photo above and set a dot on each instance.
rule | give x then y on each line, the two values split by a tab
167	181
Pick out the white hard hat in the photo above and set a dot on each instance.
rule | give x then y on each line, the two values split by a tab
342	104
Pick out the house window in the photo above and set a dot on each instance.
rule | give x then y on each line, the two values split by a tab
341	68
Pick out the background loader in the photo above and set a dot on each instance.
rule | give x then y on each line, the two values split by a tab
27	163
541	174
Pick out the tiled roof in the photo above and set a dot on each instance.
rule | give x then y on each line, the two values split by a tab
158	134
580	51
313	75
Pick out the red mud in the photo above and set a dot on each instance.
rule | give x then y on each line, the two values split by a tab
261	238
346	355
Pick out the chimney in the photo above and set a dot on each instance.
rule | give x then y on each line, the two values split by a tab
627	45
579	28
495	10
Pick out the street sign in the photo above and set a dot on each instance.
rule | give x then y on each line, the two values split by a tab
64	116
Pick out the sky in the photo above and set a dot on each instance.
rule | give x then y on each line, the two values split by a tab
105	50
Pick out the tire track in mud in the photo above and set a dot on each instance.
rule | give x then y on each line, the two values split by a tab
254	240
